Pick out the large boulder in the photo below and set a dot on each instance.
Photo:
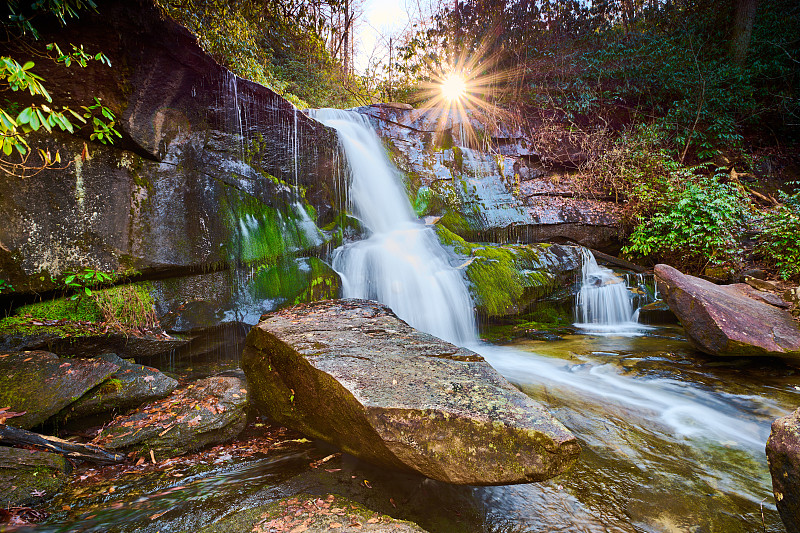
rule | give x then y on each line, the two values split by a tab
353	374
27	477
783	454
725	320
208	411
512	193
40	384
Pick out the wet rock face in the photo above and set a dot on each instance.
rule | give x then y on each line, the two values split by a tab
28	477
783	455
207	173
208	411
41	384
725	320
511	195
351	373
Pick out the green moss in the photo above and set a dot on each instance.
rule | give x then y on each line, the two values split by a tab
503	279
80	310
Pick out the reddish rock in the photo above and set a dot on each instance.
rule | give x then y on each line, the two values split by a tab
724	320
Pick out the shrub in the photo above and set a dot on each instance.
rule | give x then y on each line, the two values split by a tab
779	244
700	226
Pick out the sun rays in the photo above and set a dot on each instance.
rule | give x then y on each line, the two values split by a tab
464	91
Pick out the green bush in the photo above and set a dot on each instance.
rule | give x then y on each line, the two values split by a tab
697	227
779	244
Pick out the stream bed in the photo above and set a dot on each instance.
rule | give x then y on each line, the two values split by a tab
673	441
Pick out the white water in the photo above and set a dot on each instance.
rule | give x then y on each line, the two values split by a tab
401	264
604	304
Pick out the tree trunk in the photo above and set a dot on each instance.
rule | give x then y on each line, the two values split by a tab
12	436
742	29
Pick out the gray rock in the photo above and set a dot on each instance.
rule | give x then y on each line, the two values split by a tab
723	320
28	477
783	455
41	384
131	385
208	411
351	373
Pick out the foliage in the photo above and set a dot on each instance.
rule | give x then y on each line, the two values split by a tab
82	282
5	286
127	307
277	44
698	226
14	126
779	244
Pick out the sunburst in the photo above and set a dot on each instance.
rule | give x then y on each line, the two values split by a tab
464	91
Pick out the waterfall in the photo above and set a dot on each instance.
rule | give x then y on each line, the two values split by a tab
401	263
604	303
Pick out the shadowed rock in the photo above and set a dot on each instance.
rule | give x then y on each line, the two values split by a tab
129	386
783	454
724	320
351	373
41	384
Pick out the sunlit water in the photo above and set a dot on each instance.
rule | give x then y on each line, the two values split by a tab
673	441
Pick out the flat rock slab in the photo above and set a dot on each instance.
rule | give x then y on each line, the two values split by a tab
41	384
28	477
783	455
724	320
311	514
353	374
130	386
208	411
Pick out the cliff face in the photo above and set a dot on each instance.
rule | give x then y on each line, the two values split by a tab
488	182
209	171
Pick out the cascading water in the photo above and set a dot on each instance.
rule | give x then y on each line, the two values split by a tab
401	263
604	303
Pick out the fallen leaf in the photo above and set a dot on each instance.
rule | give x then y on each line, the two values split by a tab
373	520
152	456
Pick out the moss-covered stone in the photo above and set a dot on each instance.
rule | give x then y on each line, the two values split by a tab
41	384
208	411
28	477
506	279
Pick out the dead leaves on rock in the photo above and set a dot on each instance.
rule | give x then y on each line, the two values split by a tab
297	515
21	516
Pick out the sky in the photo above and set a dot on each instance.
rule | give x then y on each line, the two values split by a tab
380	19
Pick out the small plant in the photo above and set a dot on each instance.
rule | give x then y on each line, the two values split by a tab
82	282
779	244
5	286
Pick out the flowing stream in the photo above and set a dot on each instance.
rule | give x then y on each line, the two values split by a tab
673	441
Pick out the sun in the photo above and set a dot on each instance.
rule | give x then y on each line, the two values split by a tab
454	87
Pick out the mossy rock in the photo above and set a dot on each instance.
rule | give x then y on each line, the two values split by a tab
130	386
507	279
41	384
311	514
28	477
